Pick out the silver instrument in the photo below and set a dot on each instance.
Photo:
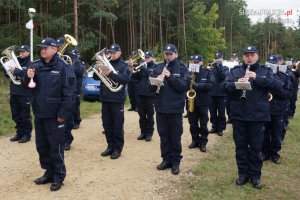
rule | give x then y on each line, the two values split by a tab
10	60
102	62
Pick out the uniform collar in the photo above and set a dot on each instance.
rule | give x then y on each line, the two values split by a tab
252	67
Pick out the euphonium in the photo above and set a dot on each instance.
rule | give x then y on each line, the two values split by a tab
191	94
61	50
137	61
294	67
10	60
103	62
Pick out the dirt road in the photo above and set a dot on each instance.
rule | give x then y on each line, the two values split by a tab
90	176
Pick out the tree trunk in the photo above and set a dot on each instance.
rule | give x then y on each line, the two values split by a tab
160	26
76	20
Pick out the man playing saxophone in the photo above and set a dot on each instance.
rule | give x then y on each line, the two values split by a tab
203	84
113	102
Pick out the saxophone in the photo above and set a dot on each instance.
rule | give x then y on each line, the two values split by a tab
191	94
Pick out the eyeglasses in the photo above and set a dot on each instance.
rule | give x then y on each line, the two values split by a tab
169	54
249	54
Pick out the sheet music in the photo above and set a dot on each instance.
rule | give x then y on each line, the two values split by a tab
156	81
274	67
194	67
9	64
230	64
243	85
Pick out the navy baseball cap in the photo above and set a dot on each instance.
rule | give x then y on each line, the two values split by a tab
250	49
114	48
218	55
60	41
170	48
279	57
197	58
48	42
24	48
149	54
272	59
133	53
234	55
75	52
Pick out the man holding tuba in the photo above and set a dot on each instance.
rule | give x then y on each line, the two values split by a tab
113	102
68	58
250	114
203	84
20	98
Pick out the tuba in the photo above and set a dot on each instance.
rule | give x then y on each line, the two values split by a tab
137	61
10	60
61	50
191	94
103	62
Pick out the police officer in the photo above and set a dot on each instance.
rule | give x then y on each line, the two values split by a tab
133	88
79	71
217	106
51	101
278	104
69	121
204	81
169	106
293	99
191	61
146	97
20	99
113	103
249	115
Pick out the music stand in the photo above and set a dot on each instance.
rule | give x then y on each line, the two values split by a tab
156	81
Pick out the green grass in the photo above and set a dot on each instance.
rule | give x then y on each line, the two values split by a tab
214	178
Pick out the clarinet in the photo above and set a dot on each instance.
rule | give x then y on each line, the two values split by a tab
243	97
163	77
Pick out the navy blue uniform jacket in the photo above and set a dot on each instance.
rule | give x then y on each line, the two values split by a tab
256	107
219	71
203	85
171	98
144	87
122	78
55	82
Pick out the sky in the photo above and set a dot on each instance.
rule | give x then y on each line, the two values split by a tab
287	11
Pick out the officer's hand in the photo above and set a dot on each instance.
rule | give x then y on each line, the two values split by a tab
30	73
251	75
243	79
166	73
12	69
105	71
60	120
